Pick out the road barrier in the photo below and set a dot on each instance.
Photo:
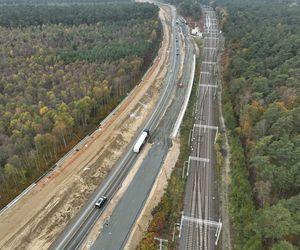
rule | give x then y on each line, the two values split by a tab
186	101
17	198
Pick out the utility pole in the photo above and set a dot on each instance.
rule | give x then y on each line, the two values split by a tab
161	241
175	225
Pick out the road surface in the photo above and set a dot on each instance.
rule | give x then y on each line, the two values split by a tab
77	230
118	228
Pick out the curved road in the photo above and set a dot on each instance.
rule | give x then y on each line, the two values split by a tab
117	230
76	231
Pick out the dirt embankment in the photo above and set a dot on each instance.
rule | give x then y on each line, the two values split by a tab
38	218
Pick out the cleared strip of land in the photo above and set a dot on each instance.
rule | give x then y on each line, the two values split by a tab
36	220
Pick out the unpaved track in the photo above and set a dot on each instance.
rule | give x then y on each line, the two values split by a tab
36	220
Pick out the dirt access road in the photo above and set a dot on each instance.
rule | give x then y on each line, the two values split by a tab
37	219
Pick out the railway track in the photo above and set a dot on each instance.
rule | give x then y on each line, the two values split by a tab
199	208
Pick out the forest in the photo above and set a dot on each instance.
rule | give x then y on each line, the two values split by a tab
63	69
57	2
262	109
187	8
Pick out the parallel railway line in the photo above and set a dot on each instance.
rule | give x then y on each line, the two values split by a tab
199	210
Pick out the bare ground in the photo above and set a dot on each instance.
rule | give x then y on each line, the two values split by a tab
37	219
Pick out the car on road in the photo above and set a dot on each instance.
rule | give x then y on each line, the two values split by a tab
101	201
180	85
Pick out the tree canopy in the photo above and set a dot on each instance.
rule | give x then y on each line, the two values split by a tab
58	2
263	88
63	69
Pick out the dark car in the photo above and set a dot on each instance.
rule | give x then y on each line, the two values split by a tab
101	201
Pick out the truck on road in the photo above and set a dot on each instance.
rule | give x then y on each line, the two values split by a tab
141	141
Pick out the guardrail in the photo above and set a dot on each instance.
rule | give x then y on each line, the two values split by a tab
17	198
186	101
47	173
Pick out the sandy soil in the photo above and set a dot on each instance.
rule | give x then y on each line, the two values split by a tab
154	197
36	220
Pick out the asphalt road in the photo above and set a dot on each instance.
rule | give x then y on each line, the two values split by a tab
116	231
78	228
199	220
